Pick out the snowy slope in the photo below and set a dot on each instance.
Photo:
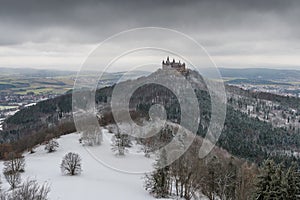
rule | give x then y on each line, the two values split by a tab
96	180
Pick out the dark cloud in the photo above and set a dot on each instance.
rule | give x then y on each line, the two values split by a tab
89	19
224	27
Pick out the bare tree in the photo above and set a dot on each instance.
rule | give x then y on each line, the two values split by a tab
51	145
119	143
3	196
31	190
226	184
12	169
158	183
91	134
71	164
14	164
247	175
211	175
0	186
91	137
13	179
147	148
186	173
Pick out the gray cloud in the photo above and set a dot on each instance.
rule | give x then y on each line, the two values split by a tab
225	28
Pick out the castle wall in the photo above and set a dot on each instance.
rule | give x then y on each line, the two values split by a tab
174	65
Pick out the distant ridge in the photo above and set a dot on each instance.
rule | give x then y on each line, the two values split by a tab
246	73
35	72
257	73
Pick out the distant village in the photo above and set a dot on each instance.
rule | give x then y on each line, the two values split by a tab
283	90
12	103
268	111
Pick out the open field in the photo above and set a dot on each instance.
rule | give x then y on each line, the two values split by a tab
7	107
54	84
22	85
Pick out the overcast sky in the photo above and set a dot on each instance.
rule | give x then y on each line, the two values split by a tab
237	34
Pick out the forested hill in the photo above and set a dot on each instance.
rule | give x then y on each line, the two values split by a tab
288	101
242	136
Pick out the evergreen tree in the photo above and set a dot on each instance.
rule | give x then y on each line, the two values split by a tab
292	183
277	183
264	180
276	189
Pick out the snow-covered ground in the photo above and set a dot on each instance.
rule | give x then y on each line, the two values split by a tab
96	181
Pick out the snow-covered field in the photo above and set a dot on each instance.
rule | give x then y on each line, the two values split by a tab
96	181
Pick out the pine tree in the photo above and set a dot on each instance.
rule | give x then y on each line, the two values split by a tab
291	183
264	180
276	189
277	183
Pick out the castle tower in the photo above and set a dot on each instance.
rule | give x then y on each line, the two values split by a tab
174	65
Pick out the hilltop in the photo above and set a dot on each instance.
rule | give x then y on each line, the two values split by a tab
250	130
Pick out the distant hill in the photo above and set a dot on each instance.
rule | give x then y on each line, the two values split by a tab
261	73
255	82
34	72
20	81
247	73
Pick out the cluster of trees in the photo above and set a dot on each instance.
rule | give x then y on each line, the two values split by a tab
158	140
221	177
287	101
42	110
255	140
29	190
278	182
242	136
277	113
13	166
30	140
29	124
191	177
